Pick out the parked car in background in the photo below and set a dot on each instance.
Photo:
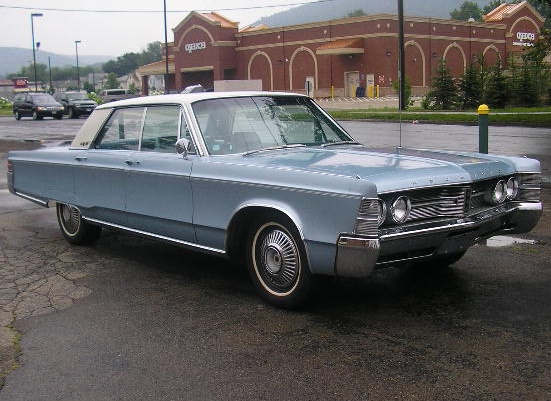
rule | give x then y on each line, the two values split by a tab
75	103
271	180
36	105
112	95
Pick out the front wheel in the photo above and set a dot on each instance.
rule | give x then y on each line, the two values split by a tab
17	115
71	113
36	116
73	227
277	263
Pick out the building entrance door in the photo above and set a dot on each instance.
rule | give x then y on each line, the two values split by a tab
352	81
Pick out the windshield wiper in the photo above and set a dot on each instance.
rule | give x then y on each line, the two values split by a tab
324	145
295	145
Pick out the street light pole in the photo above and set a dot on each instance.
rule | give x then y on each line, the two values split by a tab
166	49
34	47
78	71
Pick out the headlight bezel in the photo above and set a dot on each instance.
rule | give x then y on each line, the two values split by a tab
400	209
512	187
499	193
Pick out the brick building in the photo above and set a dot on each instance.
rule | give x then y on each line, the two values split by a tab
337	56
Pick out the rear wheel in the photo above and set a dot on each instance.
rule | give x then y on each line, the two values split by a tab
73	227
277	263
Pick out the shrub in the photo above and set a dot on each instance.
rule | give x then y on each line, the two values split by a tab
5	104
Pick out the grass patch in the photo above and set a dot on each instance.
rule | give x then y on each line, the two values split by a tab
527	117
6	112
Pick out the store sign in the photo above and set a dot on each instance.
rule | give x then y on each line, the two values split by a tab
20	83
191	47
525	39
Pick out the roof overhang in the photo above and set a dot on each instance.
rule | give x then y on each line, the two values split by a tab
342	46
157	68
198	69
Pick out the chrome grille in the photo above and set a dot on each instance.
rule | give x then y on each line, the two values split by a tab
441	202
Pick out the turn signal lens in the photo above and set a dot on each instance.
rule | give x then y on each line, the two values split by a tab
10	166
400	209
512	188
382	212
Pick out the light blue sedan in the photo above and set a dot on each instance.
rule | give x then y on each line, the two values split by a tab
271	180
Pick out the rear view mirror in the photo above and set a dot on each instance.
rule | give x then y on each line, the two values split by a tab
182	146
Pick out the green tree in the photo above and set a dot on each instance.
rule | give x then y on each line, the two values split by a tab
468	9
496	94
443	95
88	87
356	13
396	87
28	71
492	6
128	62
525	85
152	52
111	82
132	88
470	87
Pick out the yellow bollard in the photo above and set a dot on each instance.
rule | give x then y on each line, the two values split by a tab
483	111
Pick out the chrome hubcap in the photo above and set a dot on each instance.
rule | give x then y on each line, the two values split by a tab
71	219
279	260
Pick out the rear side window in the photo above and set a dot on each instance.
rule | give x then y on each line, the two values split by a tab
122	130
160	130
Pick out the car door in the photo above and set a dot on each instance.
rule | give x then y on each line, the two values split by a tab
26	108
159	198
101	171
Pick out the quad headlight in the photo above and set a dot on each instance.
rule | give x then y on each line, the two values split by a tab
499	193
512	188
400	209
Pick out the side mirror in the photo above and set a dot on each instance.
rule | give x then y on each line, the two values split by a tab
182	146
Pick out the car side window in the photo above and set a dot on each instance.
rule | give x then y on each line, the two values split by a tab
122	130
160	130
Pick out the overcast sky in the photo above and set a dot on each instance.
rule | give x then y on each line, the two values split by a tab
129	27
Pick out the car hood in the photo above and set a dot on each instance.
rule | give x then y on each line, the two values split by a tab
389	169
82	101
46	103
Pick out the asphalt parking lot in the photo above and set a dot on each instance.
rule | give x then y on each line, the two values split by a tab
131	319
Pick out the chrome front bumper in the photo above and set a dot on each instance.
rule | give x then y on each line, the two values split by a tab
358	256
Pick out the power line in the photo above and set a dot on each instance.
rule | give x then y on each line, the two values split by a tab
161	11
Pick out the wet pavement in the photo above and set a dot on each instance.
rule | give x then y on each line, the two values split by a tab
132	319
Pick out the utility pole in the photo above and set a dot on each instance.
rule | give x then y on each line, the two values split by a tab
34	47
166	49
401	55
78	71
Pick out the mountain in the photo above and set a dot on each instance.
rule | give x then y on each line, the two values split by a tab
335	9
13	58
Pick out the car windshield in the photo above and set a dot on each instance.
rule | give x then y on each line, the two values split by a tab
42	98
77	96
245	124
